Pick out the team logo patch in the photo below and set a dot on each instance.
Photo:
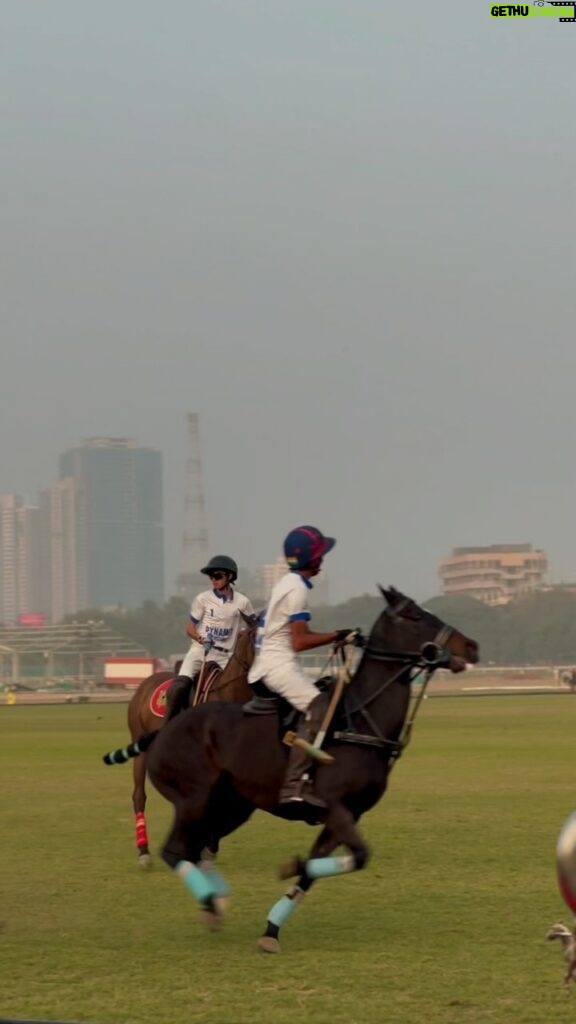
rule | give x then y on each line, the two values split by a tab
159	698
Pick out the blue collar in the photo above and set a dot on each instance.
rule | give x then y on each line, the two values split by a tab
307	583
222	596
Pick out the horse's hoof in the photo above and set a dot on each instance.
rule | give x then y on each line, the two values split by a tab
266	944
210	920
145	861
291	868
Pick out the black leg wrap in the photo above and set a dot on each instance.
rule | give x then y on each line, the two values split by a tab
360	858
272	931
304	882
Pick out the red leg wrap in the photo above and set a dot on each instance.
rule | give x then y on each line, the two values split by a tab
141	833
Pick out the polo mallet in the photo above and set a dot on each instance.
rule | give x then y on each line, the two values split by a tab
207	647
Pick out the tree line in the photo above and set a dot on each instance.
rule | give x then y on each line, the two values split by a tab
539	629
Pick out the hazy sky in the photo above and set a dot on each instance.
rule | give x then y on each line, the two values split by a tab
342	231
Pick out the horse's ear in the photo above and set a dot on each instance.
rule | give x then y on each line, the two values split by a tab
250	620
390	594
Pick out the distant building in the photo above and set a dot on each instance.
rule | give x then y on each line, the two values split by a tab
63	546
19	570
268	575
495	574
28	559
117	526
9	504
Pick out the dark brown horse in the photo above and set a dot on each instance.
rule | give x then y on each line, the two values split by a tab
218	763
147	709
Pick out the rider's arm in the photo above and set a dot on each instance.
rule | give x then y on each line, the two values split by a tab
196	615
192	631
304	640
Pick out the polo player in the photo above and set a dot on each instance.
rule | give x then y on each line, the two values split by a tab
215	621
283	634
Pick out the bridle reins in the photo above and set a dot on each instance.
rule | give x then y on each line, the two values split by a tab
432	655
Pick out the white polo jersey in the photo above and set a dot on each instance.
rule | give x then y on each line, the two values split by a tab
288	603
218	617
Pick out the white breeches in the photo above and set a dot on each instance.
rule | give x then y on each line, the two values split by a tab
289	681
193	660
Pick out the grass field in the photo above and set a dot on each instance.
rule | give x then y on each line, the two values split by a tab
446	924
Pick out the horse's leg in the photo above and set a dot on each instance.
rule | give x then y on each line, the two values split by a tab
139	805
342	824
282	910
182	852
233	812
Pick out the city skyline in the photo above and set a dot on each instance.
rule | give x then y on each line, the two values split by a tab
60	501
94	538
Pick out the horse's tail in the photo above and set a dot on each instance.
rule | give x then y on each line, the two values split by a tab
124	754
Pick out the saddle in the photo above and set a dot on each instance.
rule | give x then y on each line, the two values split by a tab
266	702
210	676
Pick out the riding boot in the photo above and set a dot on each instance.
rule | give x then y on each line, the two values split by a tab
296	796
178	696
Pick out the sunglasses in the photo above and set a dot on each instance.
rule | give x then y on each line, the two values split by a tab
217	575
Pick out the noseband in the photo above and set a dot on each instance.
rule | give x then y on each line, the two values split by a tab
432	653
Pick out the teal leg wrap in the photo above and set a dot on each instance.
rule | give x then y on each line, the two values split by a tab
196	881
325	867
221	887
281	911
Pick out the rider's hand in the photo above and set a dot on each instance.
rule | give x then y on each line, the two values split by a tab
347	636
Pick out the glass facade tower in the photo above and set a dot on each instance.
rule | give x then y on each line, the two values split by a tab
121	520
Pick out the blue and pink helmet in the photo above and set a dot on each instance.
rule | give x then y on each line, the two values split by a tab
305	545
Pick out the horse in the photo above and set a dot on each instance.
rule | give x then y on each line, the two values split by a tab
147	709
218	763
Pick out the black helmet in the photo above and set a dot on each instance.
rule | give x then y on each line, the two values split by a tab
224	563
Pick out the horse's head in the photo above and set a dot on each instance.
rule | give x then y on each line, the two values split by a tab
404	627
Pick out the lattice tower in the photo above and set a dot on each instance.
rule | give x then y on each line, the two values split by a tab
195	546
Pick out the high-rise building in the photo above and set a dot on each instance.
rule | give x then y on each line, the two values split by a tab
268	575
118	525
9	504
19	569
28	559
495	574
62	549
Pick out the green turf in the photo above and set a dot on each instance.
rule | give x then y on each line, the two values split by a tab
446	924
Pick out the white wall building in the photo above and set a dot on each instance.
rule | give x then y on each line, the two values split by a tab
19	563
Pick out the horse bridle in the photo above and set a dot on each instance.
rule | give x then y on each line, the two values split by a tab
432	655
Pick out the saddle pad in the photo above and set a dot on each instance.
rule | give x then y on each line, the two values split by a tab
159	698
